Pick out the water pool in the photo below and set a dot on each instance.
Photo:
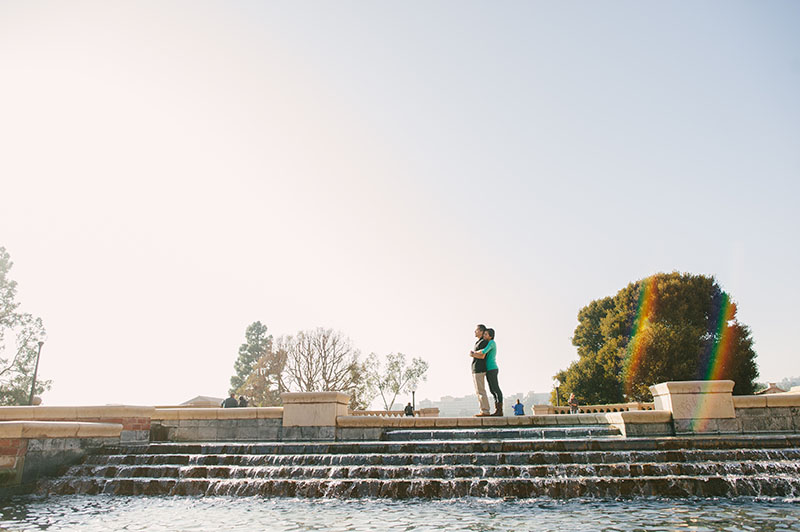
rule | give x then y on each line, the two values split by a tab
108	513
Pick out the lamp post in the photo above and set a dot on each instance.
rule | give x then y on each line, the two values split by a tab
557	383
413	401
35	371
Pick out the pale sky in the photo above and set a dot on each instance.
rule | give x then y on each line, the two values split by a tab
171	172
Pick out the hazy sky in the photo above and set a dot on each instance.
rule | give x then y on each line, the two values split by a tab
172	171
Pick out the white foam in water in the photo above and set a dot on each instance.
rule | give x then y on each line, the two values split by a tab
235	514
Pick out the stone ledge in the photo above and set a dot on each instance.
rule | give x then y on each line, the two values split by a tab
237	413
692	387
270	412
639	417
779	399
363	421
494	421
74	413
692	400
58	429
749	401
172	414
315	397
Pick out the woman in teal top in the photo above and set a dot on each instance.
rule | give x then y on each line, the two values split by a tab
490	354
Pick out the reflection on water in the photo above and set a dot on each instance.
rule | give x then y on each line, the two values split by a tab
104	513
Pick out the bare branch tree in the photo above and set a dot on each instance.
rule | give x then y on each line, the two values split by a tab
19	334
395	377
324	360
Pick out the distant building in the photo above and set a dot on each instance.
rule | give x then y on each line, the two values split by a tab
772	388
203	401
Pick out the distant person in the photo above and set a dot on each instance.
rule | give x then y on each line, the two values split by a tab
230	402
479	373
490	354
242	401
409	410
573	404
519	409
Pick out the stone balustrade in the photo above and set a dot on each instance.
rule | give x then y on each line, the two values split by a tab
422	412
541	410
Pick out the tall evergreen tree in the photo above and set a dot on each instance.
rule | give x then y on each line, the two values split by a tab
257	344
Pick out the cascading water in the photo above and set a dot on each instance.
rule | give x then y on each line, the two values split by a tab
455	466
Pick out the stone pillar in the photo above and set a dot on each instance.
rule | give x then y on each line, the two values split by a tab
542	410
312	415
697	406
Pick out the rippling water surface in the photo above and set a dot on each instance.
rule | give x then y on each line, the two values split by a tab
101	513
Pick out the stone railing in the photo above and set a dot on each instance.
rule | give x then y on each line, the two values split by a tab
422	412
541	410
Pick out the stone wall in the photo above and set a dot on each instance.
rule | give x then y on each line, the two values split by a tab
708	407
767	413
217	424
33	449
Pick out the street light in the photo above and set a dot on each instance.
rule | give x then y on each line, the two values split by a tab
557	383
35	371
413	402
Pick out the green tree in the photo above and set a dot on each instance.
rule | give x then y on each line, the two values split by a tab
20	334
257	344
264	385
666	327
395	377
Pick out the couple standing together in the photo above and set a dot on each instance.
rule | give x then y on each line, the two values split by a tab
484	366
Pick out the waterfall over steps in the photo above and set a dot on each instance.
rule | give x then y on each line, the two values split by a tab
445	463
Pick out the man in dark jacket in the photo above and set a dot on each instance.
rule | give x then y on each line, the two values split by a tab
230	402
479	373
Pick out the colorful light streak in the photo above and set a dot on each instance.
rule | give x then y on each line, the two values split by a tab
645	308
717	363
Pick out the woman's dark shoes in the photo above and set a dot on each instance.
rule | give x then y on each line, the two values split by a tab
498	410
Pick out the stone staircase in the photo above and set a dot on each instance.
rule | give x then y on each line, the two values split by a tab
500	433
563	462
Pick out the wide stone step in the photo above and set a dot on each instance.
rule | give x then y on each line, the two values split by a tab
606	487
501	433
439	471
453	459
717	442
